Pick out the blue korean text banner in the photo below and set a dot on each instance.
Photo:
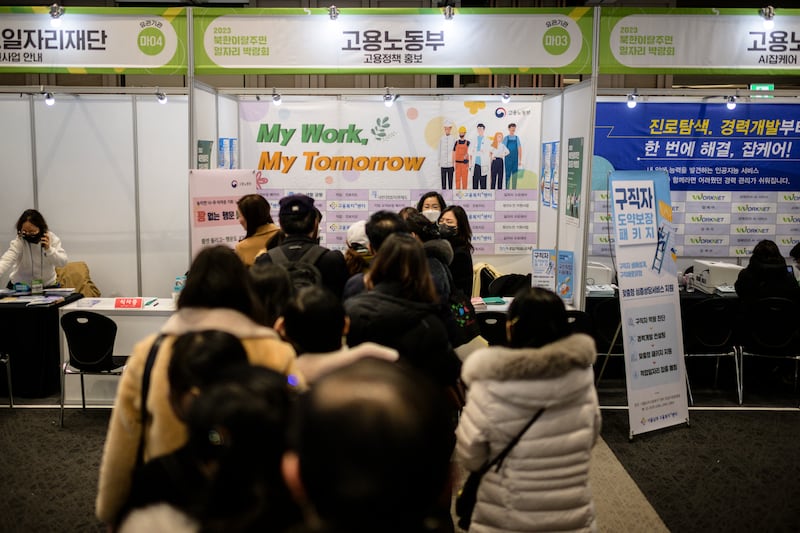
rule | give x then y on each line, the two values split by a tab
753	147
733	173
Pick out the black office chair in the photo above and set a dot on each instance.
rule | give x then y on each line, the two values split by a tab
509	284
708	330
90	339
493	327
5	359
607	331
770	327
579	321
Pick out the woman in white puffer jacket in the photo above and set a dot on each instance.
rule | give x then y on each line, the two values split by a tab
543	483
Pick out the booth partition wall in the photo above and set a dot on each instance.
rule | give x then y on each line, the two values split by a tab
121	177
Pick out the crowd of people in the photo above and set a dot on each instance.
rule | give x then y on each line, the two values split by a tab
300	389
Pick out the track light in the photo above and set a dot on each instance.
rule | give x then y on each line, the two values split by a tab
276	97
55	15
505	97
632	100
49	99
161	96
731	103
448	12
389	98
768	14
333	12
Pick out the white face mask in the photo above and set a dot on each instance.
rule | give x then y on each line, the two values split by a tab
432	215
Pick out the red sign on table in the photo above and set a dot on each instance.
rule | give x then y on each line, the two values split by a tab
127	303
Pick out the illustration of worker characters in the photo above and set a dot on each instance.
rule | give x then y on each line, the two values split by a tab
461	158
446	143
514	156
498	153
481	160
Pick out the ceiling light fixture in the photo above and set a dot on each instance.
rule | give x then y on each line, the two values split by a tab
55	15
333	12
768	14
731	103
49	99
389	98
161	96
632	100
276	97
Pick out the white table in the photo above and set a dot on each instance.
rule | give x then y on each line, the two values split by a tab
132	326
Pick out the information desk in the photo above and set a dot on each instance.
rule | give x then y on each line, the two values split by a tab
29	334
133	325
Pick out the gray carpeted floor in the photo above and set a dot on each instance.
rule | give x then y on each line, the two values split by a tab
729	471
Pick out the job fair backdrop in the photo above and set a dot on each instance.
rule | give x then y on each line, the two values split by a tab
734	174
356	156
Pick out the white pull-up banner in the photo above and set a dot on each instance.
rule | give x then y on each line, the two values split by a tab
649	301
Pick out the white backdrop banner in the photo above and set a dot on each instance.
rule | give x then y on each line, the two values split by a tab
649	303
357	156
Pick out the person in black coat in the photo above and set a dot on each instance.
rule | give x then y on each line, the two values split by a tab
400	310
766	275
454	226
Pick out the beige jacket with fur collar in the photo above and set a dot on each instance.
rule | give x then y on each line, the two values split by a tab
165	433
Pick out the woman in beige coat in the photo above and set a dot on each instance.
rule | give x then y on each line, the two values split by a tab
254	216
217	296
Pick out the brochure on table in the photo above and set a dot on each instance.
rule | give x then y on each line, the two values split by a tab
649	302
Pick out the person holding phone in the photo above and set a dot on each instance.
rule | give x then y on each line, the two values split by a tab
34	254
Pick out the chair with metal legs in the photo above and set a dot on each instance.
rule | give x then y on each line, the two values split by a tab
5	359
90	339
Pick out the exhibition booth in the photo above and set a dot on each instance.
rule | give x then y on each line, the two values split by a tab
134	187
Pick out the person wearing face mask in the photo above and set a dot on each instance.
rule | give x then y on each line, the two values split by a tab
430	205
34	254
454	226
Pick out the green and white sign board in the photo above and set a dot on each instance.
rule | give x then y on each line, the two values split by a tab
94	40
698	41
474	41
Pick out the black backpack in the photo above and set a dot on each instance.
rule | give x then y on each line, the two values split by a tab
302	271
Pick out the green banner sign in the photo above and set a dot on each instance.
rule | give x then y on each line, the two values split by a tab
361	41
94	40
698	41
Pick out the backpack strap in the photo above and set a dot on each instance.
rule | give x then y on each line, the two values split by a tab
312	255
278	256
148	367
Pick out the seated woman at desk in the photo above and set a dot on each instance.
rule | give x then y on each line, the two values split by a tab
766	275
34	254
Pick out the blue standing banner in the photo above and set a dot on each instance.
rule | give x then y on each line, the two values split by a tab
649	302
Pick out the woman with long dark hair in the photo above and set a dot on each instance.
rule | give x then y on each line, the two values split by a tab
254	216
400	310
454	226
